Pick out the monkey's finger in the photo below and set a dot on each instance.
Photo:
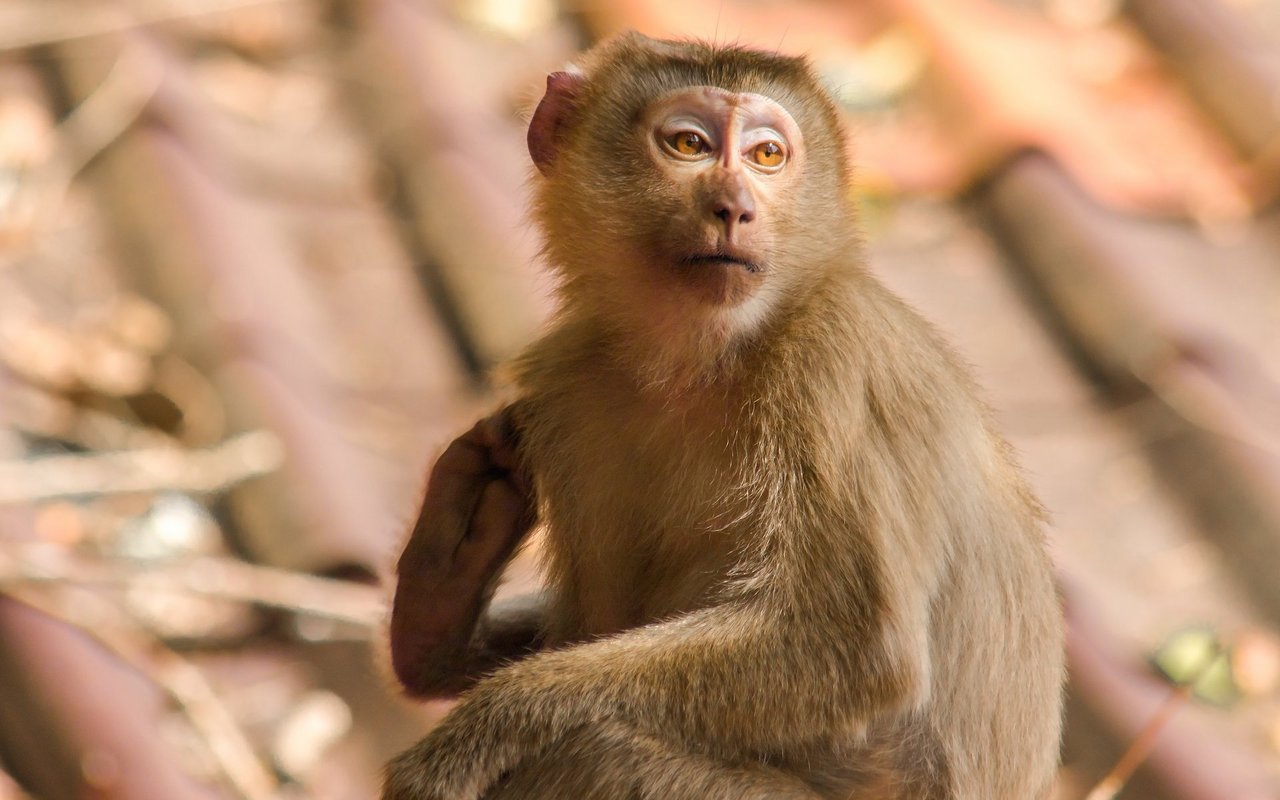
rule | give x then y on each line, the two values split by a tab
453	489
502	519
502	437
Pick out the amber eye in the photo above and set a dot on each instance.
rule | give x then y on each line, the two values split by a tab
688	143
767	154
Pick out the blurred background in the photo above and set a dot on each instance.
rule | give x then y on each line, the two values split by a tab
258	258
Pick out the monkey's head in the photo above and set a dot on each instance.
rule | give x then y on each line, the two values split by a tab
688	182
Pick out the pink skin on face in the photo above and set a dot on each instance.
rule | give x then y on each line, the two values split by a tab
733	153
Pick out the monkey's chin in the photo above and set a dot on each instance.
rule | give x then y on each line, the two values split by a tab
719	281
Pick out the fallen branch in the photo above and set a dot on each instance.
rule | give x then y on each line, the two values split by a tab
235	460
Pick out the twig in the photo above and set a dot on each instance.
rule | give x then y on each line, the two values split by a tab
1114	781
237	459
92	126
344	601
209	715
103	116
216	577
1109	787
39	29
181	679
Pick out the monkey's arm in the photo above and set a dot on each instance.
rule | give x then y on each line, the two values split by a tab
735	681
475	513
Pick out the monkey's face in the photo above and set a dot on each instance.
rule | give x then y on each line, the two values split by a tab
722	162
686	183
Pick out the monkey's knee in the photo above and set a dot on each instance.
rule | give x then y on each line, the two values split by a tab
611	761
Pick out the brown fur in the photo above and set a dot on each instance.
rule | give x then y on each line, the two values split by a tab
788	555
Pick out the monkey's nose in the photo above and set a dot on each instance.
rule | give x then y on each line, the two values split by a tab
735	207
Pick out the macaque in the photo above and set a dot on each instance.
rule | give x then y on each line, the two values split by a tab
786	553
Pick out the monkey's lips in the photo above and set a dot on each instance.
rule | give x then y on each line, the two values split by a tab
721	258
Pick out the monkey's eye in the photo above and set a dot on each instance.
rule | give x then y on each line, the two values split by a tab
688	143
768	154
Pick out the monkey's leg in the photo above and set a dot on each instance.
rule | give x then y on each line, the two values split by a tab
687	678
611	761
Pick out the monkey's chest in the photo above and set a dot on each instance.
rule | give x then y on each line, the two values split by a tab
644	530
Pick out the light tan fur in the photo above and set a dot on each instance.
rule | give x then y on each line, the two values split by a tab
788	554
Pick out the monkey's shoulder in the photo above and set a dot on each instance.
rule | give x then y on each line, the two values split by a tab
868	388
858	348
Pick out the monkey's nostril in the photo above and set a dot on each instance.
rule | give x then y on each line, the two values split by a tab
725	213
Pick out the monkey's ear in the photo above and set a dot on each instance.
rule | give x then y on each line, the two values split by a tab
552	116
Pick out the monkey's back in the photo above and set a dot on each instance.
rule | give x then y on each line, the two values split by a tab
996	632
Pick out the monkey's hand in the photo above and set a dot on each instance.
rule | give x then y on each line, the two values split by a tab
476	511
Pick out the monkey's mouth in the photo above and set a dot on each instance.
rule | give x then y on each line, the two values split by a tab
720	258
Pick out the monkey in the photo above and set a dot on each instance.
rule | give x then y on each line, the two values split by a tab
787	553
